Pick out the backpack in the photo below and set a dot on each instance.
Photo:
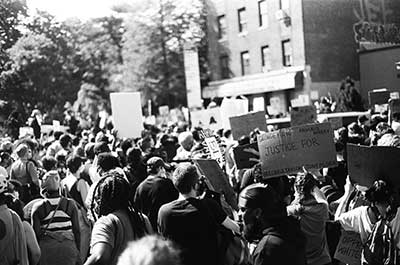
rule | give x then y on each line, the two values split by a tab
380	248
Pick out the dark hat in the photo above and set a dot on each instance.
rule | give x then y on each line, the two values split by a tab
156	162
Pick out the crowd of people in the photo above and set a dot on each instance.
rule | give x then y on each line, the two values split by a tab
89	197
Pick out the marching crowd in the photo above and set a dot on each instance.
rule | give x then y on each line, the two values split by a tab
88	197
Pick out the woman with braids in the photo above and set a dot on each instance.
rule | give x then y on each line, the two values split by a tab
119	222
311	208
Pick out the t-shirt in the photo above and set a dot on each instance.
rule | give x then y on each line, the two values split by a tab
192	224
282	244
357	220
312	216
151	194
114	229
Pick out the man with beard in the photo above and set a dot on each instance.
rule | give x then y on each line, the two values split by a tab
265	220
192	223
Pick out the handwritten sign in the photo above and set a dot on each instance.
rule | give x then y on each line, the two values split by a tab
232	107
349	248
302	115
243	158
207	118
244	124
219	181
215	151
287	150
366	164
336	122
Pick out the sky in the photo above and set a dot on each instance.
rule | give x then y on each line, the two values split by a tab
82	9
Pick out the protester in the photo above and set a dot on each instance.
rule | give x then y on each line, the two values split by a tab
155	191
136	170
311	208
192	223
119	222
13	246
280	240
150	250
56	224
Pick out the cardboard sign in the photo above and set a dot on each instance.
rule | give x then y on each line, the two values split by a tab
336	122
367	164
302	115
215	151
46	128
378	97
127	114
349	248
244	124
219	181
287	150
243	157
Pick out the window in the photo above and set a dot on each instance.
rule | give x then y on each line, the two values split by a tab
224	66
221	27
265	59
242	19
287	53
245	62
284	4
262	13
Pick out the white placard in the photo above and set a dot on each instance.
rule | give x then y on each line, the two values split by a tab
127	113
232	107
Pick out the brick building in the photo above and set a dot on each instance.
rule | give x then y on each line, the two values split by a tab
274	51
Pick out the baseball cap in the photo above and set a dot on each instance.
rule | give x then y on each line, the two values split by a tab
156	162
3	184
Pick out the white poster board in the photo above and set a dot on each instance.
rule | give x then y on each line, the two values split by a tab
232	107
192	77
127	113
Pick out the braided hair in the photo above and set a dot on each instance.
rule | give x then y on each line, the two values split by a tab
112	193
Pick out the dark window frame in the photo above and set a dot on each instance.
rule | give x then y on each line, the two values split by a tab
221	30
241	20
261	23
284	53
242	63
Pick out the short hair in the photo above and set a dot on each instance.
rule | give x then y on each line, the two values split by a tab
22	150
49	163
150	250
264	197
185	177
145	143
65	140
107	161
304	184
73	163
380	192
125	145
134	155
101	147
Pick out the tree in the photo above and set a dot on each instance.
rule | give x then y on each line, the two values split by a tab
153	48
11	15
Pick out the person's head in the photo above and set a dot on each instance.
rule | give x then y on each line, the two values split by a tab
107	162
196	135
89	151
396	116
146	144
65	141
304	185
23	151
5	159
111	193
134	156
74	163
3	187
185	178
156	166
150	250
227	133
243	140
49	163
50	183
259	207
125	145
185	139
381	196
101	147
15	204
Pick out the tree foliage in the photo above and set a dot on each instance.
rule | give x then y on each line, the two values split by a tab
153	48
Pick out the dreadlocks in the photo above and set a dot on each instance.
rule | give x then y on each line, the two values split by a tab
112	193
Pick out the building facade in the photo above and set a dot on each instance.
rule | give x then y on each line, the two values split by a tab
276	51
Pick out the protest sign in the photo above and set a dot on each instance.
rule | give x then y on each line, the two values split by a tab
287	150
25	131
302	115
366	164
207	118
232	107
219	181
378	97
336	122
243	158
349	248
244	124
46	128
127	113
56	126
215	151
163	110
